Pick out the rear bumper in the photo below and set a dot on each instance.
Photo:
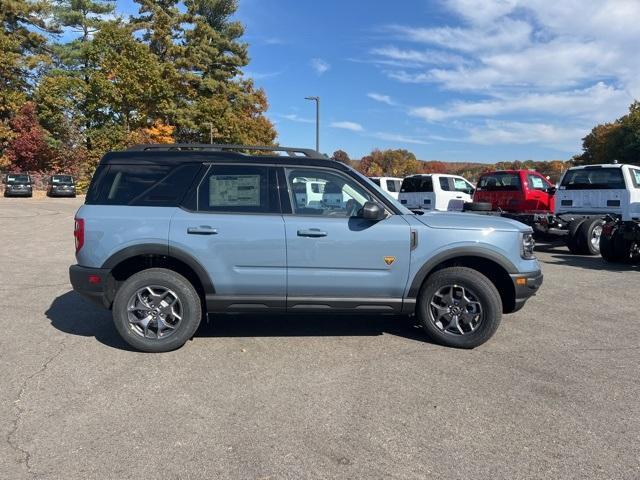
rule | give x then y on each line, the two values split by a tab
91	283
525	285
27	192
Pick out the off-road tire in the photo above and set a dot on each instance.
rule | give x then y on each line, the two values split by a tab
482	289
190	303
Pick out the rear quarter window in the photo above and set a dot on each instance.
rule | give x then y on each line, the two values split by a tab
141	185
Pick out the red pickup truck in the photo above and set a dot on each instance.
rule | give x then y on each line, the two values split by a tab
516	191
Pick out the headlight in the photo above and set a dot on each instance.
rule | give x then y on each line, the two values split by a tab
528	243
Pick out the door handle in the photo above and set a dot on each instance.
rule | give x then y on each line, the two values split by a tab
202	230
312	232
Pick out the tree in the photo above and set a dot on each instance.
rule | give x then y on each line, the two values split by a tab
618	140
341	156
28	150
23	49
392	163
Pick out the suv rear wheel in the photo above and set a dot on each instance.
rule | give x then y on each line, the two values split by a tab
156	310
459	307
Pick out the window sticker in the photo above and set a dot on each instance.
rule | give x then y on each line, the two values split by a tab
234	190
537	183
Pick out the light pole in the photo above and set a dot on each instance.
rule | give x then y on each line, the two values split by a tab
317	100
210	131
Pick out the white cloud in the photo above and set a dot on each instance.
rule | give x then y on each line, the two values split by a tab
600	102
561	137
319	65
539	71
294	117
378	97
353	126
398	138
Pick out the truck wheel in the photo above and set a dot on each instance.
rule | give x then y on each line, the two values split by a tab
459	307
572	237
477	207
156	310
588	236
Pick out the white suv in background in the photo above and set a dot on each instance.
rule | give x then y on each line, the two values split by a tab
391	185
435	192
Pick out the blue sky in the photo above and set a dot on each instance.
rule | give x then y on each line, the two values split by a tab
453	80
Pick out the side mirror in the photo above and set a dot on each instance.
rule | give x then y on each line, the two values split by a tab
372	211
552	190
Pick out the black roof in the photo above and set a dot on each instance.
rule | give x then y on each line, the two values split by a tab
196	153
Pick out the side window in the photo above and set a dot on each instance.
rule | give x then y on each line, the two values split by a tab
536	182
635	177
122	184
444	184
341	196
461	185
392	186
169	191
238	189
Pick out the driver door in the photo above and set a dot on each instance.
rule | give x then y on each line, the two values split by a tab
336	259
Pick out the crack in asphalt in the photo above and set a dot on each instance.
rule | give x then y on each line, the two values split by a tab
15	424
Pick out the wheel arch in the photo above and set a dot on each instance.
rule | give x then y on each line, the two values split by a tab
494	266
136	258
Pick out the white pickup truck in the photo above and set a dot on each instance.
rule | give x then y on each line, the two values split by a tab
602	205
435	191
390	185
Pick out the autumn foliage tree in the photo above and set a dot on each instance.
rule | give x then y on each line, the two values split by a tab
341	156
389	163
28	150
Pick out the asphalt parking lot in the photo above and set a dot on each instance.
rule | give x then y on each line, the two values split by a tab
555	394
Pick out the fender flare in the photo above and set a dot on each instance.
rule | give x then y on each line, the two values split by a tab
453	253
164	251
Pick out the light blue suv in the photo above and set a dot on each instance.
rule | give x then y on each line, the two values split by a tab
169	232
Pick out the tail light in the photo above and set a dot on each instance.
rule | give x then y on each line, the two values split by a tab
78	233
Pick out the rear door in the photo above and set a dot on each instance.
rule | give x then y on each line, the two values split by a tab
232	225
337	260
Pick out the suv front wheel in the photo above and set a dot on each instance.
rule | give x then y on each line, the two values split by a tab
459	307
156	310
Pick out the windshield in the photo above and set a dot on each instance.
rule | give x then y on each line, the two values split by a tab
66	179
18	178
501	181
593	178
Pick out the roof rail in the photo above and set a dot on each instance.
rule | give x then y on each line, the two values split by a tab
290	151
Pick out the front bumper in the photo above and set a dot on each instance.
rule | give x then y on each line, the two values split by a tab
525	285
18	192
62	192
94	284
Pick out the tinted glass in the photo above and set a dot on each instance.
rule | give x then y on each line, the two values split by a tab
150	185
64	179
500	182
392	186
635	177
417	184
340	197
16	178
444	184
375	180
239	189
593	178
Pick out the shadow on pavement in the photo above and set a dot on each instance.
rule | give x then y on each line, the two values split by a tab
590	263
71	314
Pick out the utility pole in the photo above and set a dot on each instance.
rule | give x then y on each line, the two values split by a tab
317	100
